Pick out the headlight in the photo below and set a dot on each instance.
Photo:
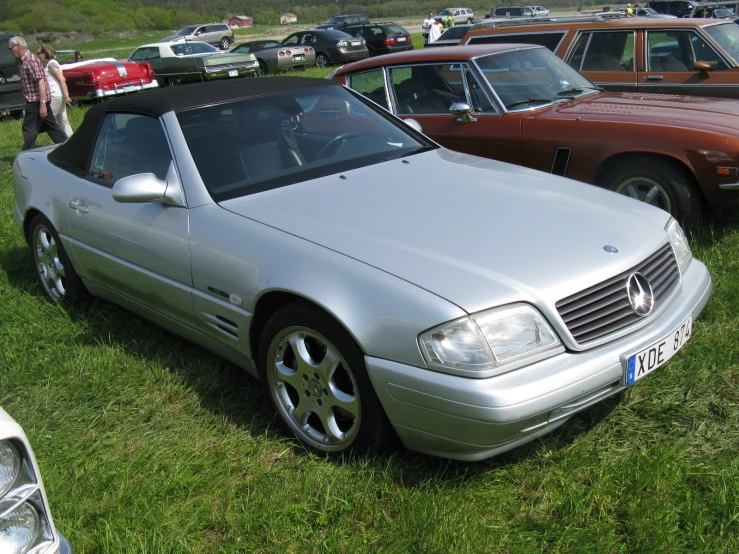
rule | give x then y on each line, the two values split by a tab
490	342
19	530
679	244
10	466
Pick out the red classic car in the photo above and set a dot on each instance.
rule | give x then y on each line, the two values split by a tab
103	78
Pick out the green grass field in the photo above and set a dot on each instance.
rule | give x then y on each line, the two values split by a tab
148	444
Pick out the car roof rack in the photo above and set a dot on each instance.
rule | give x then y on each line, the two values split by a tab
523	21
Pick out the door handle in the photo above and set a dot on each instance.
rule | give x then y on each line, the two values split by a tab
654	77
79	205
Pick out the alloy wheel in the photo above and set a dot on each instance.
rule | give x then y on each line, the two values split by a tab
647	190
48	263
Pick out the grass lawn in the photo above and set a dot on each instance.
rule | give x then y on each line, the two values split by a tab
149	444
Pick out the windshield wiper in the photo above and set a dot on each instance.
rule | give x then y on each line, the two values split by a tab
412	152
529	101
580	90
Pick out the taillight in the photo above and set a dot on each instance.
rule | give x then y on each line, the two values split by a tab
410	39
389	41
282	53
288	53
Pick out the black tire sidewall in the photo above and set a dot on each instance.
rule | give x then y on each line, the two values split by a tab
374	430
74	287
684	199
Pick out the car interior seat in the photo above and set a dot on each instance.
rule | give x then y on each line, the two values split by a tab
268	146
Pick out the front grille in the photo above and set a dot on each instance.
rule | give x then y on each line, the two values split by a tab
603	309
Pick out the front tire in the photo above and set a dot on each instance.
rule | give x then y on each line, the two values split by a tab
322	60
660	183
225	43
315	377
54	271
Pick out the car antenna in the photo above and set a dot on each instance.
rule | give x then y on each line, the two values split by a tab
197	69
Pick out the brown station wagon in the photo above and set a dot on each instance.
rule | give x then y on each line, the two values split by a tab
636	54
523	105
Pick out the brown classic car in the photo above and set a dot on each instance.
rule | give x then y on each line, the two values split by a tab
635	54
523	105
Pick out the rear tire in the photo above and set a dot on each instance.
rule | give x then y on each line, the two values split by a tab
263	68
54	270
316	379
322	60
660	183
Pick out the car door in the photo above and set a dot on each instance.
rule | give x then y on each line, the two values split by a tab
669	66
607	58
425	92
136	250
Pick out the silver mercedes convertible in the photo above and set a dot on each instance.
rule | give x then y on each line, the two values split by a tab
377	284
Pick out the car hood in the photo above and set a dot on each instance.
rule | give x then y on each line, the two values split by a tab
695	111
477	232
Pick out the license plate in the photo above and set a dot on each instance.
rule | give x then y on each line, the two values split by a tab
298	57
233	72
356	43
645	361
401	39
129	88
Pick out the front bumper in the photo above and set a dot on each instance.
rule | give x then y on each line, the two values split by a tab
473	419
64	547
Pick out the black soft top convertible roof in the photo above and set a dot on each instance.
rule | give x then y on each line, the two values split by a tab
72	156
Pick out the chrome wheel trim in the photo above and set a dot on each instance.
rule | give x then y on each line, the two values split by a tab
646	190
173	82
48	265
225	43
313	389
322	60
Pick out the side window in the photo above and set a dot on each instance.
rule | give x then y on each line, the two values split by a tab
549	40
427	89
182	49
578	52
703	52
129	144
478	99
291	40
670	51
146	53
610	52
309	38
370	84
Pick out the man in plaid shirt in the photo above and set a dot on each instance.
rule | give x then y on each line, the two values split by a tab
39	117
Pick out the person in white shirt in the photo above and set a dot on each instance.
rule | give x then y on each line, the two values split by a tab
428	21
435	30
57	86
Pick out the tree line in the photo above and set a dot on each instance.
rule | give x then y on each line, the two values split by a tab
100	17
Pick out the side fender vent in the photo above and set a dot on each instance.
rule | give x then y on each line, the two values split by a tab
561	161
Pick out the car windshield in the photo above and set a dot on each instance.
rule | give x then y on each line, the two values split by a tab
190	29
727	37
334	20
649	11
257	144
524	79
723	12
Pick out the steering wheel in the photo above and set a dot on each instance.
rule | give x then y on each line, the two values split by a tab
338	139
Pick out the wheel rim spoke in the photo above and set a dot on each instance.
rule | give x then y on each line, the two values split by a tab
631	191
288	375
652	195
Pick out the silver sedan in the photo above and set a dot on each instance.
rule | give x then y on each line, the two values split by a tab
376	283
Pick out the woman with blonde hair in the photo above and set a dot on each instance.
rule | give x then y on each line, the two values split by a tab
58	86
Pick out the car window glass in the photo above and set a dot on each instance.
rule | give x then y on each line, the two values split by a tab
578	52
612	51
309	38
182	49
293	137
549	39
291	40
145	53
703	52
243	49
370	84
478	98
427	89
727	37
202	48
129	144
527	78
669	51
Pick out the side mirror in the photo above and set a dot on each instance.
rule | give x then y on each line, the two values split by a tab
462	109
413	124
141	188
703	68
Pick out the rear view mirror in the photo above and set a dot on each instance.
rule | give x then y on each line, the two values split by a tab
144	187
413	124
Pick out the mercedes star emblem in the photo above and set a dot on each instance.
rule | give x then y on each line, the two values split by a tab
640	294
610	249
